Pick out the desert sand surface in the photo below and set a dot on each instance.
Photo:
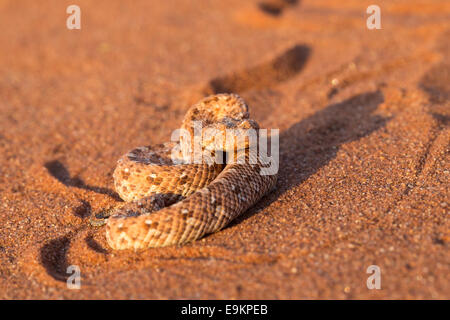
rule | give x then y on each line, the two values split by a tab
364	145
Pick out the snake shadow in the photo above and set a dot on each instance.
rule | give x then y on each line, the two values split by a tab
265	75
53	258
313	142
60	172
276	7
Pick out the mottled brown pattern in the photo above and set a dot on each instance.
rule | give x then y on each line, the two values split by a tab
170	203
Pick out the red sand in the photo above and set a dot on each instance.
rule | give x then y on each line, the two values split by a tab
363	117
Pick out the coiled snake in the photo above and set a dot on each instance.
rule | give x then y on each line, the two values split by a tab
171	200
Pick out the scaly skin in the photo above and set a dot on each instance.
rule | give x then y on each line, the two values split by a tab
171	204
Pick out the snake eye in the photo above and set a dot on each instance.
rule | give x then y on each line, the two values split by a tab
248	124
243	115
228	122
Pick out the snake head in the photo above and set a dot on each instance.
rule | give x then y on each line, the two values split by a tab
218	123
230	135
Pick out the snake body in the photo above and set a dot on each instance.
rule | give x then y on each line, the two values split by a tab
170	201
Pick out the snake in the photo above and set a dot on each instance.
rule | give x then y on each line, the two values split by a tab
172	197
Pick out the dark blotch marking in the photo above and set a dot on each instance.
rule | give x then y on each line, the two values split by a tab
184	179
439	241
83	210
332	92
125	175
